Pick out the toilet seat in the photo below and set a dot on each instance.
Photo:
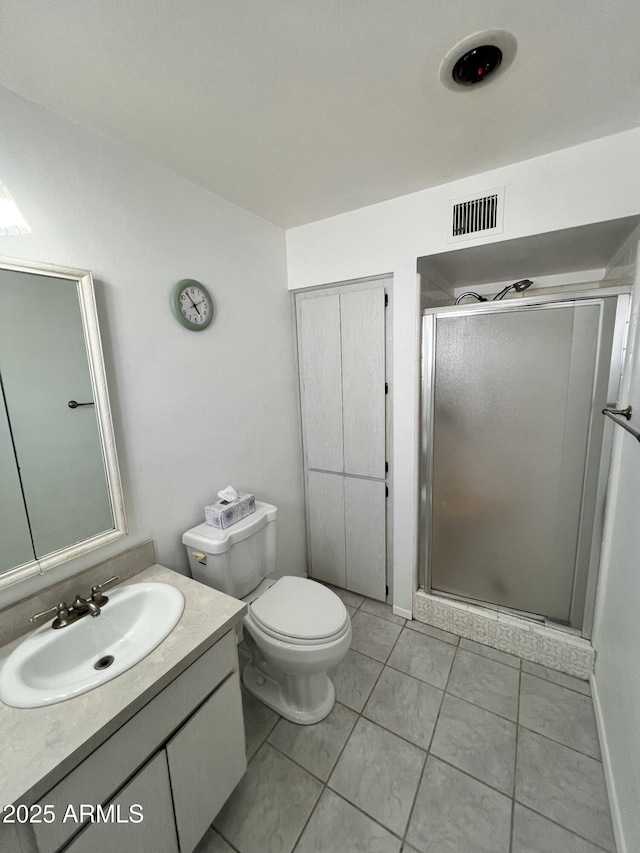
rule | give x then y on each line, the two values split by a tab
300	611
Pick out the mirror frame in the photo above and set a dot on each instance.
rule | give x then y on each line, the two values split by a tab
86	299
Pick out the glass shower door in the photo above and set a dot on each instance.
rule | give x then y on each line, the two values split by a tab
513	394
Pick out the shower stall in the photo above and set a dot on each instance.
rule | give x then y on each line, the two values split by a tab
515	452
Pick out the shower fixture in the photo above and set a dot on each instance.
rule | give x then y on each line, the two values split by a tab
518	286
470	293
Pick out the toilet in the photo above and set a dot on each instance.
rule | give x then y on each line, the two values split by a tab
296	629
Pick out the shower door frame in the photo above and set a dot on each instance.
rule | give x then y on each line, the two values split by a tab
579	610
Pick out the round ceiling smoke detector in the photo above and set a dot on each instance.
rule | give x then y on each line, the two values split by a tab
480	57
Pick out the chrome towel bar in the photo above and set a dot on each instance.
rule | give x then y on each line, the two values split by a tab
615	414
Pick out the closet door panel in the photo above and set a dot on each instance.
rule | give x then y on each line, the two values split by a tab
363	375
326	527
364	511
321	381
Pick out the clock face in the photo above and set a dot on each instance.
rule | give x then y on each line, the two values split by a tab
192	304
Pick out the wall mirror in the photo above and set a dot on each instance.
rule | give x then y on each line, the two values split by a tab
60	489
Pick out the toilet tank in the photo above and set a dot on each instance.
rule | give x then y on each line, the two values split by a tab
237	559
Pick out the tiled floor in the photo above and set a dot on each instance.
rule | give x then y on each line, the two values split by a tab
434	745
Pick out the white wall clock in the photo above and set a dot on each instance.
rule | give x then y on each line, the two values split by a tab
192	304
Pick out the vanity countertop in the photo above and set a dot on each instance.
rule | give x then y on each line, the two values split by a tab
39	746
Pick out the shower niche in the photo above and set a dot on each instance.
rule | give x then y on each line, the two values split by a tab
514	448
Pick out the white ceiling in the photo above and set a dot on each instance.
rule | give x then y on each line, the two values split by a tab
301	109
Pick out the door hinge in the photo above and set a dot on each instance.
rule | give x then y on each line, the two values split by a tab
386	467
387	589
386	300
386	387
386	491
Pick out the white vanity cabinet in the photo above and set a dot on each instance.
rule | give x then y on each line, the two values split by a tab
156	832
178	759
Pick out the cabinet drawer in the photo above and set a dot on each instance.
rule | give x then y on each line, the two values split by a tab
104	771
150	792
206	761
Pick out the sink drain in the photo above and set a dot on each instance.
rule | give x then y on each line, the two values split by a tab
104	662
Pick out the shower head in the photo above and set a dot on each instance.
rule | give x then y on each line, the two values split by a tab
518	286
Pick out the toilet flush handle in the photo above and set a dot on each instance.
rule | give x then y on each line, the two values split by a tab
200	557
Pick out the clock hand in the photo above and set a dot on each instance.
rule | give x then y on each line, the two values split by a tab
193	303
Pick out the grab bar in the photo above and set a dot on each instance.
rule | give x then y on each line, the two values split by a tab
614	414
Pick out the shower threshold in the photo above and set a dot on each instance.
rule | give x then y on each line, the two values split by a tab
510	611
537	640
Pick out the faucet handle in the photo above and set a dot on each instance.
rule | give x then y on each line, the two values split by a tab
96	591
61	610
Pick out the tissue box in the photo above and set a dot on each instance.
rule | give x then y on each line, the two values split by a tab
223	514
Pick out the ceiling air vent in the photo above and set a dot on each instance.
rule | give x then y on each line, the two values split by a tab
476	216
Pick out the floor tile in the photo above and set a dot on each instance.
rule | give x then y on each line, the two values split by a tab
350	610
560	678
559	714
315	747
535	834
213	843
423	657
431	631
405	705
379	773
354	678
564	785
270	805
487	683
373	636
258	722
457	814
492	654
337	827
350	598
476	741
384	611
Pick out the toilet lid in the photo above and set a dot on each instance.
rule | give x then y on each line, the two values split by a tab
300	608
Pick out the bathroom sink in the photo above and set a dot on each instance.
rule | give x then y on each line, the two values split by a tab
50	665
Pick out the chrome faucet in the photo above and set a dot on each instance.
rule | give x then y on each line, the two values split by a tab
80	607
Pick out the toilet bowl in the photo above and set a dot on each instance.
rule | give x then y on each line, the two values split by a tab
296	629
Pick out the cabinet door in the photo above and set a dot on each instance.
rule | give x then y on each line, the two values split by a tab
325	497
321	381
364	512
206	761
156	832
363	374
